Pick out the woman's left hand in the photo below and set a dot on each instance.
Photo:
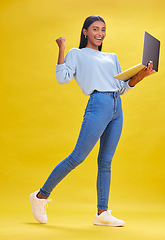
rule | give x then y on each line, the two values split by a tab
146	71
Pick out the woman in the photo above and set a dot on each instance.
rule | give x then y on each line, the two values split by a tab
94	71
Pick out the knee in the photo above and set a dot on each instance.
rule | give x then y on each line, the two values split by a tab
74	159
104	164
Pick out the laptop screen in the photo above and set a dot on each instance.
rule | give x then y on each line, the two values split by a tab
151	50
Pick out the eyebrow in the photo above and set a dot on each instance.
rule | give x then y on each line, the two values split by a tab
97	27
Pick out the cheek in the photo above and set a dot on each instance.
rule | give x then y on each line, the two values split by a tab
91	37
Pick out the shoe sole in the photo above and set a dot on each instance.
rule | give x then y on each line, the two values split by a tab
109	224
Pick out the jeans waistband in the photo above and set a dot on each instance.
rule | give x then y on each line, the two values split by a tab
114	94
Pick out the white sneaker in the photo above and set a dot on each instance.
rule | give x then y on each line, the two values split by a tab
105	218
39	207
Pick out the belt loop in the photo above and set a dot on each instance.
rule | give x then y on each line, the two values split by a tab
115	94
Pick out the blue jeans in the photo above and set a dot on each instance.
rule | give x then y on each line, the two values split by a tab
103	120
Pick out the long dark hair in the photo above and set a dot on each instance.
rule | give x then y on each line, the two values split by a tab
88	21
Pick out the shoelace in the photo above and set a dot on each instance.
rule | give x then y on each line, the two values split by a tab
47	200
44	205
109	214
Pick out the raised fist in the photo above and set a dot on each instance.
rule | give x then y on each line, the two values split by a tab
61	42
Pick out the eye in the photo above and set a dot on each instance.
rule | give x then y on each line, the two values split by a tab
95	29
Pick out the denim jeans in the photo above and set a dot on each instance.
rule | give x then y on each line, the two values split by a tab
103	120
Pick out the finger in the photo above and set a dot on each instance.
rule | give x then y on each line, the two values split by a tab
62	38
144	69
150	66
151	63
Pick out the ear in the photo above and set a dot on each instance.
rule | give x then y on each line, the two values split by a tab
84	31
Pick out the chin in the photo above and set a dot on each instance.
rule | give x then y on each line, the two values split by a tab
98	44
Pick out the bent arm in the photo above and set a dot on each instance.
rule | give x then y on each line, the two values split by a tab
65	68
130	83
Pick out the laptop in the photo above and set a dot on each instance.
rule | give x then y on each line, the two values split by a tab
151	48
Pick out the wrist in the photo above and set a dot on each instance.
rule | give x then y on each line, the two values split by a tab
61	56
61	48
136	79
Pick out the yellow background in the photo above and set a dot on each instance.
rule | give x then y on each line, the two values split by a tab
40	122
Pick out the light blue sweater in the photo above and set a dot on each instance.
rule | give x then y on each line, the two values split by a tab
92	70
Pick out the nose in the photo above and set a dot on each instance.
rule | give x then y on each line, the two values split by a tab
100	32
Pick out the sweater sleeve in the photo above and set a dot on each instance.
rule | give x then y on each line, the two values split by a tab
65	72
123	85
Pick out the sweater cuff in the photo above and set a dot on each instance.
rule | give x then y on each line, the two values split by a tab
129	85
60	67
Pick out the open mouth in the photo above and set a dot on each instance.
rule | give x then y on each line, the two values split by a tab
99	38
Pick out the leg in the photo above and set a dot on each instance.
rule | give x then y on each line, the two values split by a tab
95	121
108	144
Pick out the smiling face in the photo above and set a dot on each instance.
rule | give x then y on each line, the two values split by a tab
95	33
